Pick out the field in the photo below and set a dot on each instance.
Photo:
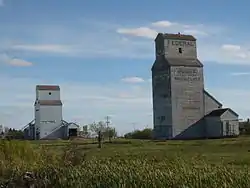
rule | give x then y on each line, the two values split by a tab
126	163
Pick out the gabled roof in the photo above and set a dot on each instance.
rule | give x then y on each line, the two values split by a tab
47	87
219	112
209	95
73	124
176	36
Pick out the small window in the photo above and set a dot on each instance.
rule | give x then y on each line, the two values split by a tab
180	50
162	118
49	93
165	96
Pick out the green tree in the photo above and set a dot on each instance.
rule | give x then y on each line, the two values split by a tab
140	134
245	127
110	132
15	134
107	132
96	127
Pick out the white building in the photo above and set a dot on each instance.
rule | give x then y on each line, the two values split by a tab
48	122
48	110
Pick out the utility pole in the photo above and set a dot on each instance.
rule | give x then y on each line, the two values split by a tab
133	126
107	123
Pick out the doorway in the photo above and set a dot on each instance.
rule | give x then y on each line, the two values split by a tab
73	132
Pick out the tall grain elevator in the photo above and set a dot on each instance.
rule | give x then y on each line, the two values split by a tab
178	86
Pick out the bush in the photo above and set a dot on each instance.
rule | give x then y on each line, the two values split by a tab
143	134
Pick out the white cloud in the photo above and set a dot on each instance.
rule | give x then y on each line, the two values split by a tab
46	48
195	32
140	32
240	74
236	52
14	61
231	47
163	24
133	80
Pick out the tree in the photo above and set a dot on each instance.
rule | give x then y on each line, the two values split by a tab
96	127
6	129
244	127
107	132
140	134
110	133
15	134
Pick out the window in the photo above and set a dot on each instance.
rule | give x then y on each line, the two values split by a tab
162	118
180	50
49	93
165	96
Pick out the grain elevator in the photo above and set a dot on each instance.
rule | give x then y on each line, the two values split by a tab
48	122
181	105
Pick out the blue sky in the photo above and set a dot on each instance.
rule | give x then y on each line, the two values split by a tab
101	52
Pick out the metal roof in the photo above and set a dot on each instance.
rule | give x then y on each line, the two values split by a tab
219	112
176	36
163	63
49	102
192	62
47	87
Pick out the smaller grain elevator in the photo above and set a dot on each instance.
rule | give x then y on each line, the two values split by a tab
48	123
48	110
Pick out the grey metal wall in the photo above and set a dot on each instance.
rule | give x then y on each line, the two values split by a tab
59	133
162	107
213	127
194	131
188	51
29	132
230	124
210	103
187	98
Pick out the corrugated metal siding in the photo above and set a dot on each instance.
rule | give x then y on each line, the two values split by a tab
210	103
50	119
48	95
233	124
213	127
49	102
187	98
162	112
60	133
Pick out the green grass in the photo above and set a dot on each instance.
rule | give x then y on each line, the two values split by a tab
127	163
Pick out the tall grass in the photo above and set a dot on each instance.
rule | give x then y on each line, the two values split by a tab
70	167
